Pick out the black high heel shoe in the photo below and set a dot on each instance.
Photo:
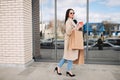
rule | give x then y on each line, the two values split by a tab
71	75
56	69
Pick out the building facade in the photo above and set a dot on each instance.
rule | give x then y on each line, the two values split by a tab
20	33
112	29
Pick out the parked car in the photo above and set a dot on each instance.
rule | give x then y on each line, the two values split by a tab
106	46
47	43
90	42
115	41
50	44
60	43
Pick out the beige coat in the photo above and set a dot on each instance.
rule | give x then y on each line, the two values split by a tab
69	54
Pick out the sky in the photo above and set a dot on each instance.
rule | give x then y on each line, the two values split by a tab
99	10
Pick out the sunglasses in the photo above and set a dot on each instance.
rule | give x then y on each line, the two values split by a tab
72	13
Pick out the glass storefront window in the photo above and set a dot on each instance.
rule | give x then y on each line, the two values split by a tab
103	23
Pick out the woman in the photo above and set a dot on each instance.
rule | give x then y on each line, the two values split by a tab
69	55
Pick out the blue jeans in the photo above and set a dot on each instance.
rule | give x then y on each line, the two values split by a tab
69	65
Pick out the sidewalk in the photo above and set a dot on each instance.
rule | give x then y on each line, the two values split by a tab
45	71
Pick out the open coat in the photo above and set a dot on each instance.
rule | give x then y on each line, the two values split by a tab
70	54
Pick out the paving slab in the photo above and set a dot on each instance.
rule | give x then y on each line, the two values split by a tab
45	71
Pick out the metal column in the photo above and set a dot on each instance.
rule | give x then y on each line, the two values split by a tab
56	29
87	18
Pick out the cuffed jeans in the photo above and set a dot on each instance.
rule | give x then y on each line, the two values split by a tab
69	65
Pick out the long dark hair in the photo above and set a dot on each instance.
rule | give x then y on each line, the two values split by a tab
67	14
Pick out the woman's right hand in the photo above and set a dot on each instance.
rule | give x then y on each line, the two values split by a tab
74	29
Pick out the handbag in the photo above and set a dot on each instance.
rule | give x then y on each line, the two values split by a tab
80	59
76	40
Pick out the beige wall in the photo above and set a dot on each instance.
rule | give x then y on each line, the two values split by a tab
15	31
